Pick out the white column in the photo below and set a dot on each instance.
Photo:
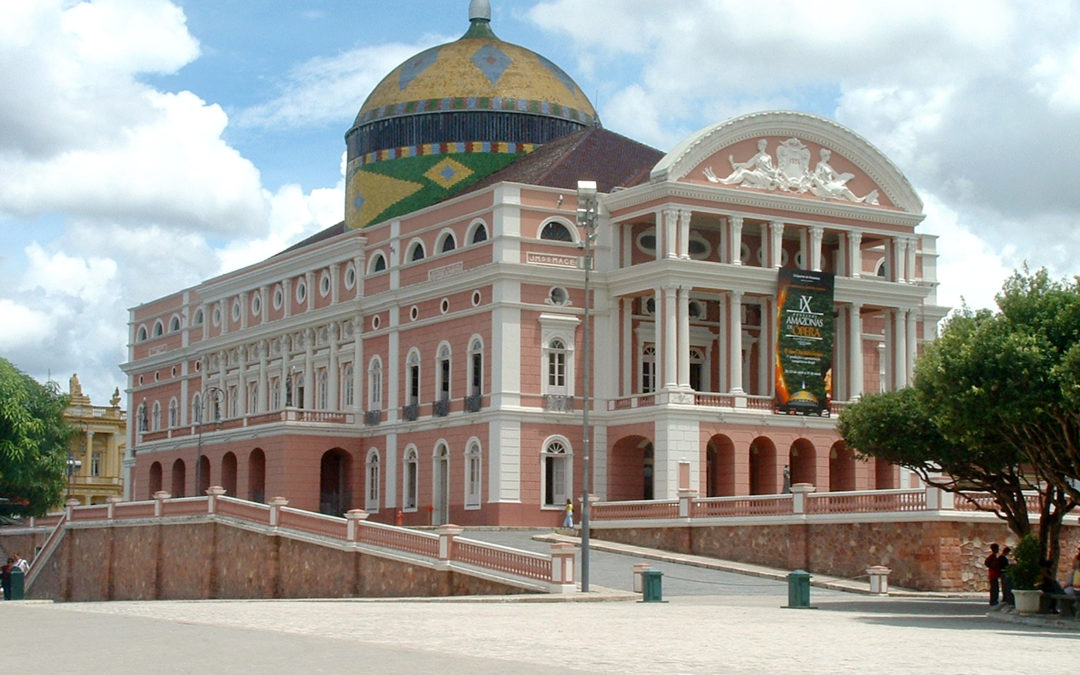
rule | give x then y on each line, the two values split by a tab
911	345
661	240
899	258
243	298
684	234
855	255
816	234
671	220
735	224
332	367
286	375
359	367
684	336
735	340
241	387
723	382
264	308
311	290
912	276
309	375
899	351
260	403
670	343
855	355
286	294
776	243
630	357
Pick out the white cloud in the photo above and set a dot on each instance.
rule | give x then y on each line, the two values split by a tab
329	89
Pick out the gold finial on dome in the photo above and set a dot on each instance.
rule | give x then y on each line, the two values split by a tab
480	10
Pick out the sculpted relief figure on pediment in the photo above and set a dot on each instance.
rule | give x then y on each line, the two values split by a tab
791	173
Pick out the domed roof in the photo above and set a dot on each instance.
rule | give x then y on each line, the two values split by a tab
452	115
478	66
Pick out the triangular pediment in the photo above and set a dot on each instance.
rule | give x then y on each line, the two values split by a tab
789	153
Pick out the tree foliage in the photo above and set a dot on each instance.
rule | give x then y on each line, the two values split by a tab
33	442
993	407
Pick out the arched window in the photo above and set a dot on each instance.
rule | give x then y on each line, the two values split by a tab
648	369
198	317
442	373
479	234
275	393
557	474
476	367
416	251
159	328
412	378
371	472
323	390
556	367
375	384
174	413
174	324
473	476
378	263
556	231
410	480
141	336
348	393
196	408
447	243
155	418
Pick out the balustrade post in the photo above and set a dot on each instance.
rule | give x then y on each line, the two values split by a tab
354	518
686	502
111	508
159	502
212	493
879	579
446	540
799	491
562	568
639	576
275	510
68	506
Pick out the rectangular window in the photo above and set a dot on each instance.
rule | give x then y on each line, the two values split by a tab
95	464
414	385
472	489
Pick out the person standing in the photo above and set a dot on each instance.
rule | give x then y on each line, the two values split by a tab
1006	584
993	574
5	577
568	520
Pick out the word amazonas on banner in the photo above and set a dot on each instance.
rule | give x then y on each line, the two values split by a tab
804	345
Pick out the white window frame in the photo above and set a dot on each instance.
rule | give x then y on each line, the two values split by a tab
562	328
412	384
348	387
410	485
375	383
557	449
372	479
475	384
443	370
474	475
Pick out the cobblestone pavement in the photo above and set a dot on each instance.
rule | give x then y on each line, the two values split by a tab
712	621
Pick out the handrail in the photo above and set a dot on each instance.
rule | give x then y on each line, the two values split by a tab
51	542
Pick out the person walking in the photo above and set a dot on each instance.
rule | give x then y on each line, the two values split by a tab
993	574
1006	583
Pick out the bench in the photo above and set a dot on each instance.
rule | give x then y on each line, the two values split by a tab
1066	605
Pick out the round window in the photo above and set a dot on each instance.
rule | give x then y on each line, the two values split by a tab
301	291
256	305
375	322
279	298
236	310
557	295
324	284
414	313
444	306
350	277
217	316
476	298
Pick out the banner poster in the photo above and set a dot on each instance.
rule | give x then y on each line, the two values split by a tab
804	345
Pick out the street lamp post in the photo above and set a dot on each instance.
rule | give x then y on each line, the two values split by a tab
216	392
586	220
73	464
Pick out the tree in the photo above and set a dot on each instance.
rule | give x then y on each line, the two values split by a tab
33	442
990	408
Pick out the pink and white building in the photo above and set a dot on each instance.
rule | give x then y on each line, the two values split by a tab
425	358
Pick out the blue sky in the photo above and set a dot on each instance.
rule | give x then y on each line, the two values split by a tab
146	145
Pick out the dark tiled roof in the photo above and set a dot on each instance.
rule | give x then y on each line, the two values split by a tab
595	154
590	154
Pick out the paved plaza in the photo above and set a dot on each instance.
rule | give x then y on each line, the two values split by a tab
712	622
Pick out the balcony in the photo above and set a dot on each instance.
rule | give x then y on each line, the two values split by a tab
473	403
372	417
440	408
410	412
558	403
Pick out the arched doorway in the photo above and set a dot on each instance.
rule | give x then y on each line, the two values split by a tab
178	478
841	468
763	467
257	476
802	462
631	469
440	486
228	473
204	476
155	478
720	467
334	482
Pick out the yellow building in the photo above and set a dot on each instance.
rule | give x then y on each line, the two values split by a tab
96	452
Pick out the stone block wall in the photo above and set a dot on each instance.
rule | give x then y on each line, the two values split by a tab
212	559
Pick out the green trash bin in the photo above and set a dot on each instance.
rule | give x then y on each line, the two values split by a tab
652	583
17	584
798	590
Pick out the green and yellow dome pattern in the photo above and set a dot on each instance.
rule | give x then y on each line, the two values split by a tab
450	116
